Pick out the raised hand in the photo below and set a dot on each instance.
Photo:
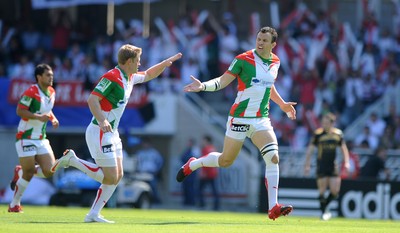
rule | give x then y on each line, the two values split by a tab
195	86
171	59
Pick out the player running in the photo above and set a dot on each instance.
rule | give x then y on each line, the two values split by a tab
35	109
256	71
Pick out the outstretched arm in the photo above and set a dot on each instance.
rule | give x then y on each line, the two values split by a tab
157	69
211	85
285	106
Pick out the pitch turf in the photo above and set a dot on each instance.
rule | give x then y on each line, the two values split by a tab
39	219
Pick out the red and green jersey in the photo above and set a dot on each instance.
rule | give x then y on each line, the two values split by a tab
255	76
36	101
115	88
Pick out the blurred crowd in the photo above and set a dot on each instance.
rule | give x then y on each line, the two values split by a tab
326	65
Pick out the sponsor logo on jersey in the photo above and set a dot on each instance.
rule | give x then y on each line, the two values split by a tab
103	84
26	100
108	148
28	148
240	127
259	82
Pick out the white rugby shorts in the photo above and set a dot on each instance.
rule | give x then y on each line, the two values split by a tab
104	153
30	147
240	128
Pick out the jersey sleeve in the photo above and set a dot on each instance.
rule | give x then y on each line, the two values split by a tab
236	66
26	98
103	87
139	77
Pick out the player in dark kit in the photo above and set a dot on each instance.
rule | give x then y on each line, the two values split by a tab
326	140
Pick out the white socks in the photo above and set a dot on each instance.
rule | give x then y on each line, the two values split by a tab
103	194
271	183
19	190
90	169
210	160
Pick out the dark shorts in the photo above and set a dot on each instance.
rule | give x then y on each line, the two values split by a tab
327	171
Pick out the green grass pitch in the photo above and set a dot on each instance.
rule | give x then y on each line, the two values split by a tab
39	219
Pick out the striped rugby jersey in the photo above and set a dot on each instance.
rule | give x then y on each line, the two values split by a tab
255	76
36	101
115	88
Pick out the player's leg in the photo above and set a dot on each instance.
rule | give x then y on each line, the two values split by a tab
111	164
45	159
26	150
69	158
334	188
28	170
236	133
230	152
322	184
266	142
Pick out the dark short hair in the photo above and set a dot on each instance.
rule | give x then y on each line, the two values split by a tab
271	31
330	116
40	69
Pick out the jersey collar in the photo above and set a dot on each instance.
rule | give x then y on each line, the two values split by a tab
123	72
263	59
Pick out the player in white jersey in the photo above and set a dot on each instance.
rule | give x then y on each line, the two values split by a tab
35	109
256	71
107	103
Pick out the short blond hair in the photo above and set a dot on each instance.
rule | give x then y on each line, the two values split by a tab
128	51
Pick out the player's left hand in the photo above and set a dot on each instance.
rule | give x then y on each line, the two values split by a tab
288	108
347	166
170	60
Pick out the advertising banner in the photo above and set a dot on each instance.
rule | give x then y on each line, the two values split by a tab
370	199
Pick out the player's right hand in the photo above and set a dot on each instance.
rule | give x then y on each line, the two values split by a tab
105	126
195	86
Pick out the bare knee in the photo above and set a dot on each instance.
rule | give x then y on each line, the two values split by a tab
28	174
47	173
111	179
224	162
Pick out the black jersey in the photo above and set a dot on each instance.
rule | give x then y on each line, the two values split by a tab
327	143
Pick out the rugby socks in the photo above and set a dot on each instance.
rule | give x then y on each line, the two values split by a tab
210	160
90	169
19	190
322	202
271	183
330	198
103	195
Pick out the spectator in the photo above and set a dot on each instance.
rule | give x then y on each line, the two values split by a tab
150	161
189	185
23	70
208	175
375	165
366	137
376	125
